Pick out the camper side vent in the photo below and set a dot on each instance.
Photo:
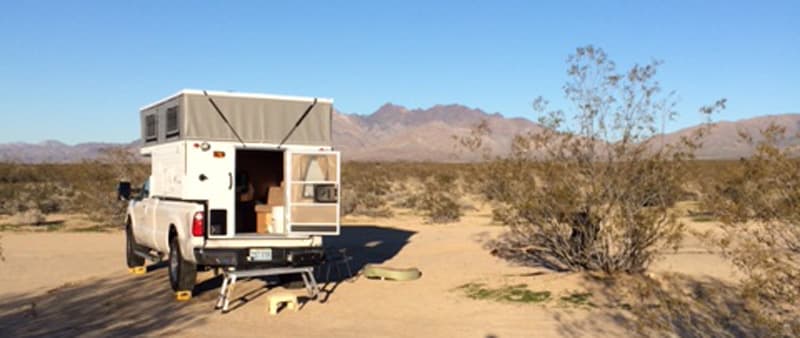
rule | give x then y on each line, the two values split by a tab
150	128
172	122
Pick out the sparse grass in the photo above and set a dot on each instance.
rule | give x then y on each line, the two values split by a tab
697	214
703	219
44	227
93	228
510	293
54	226
578	299
519	293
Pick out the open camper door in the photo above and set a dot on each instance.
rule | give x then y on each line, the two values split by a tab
215	169
312	192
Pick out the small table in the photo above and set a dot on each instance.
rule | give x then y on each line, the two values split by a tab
230	276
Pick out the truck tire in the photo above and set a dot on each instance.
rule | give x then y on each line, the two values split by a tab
182	274
133	259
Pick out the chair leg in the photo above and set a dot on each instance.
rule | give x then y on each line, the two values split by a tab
328	272
349	269
338	271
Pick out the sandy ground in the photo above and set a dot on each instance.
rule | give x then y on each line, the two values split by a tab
65	284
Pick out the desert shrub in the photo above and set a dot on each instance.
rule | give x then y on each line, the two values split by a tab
31	216
48	197
439	199
409	201
348	202
758	204
594	192
369	203
95	193
45	187
365	190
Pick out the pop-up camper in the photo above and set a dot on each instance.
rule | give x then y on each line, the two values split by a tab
238	181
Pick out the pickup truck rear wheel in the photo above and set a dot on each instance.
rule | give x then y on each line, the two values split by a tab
182	274
133	259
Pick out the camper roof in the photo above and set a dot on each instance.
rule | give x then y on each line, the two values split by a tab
238	94
255	118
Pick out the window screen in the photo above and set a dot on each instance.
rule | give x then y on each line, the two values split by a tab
172	122
150	128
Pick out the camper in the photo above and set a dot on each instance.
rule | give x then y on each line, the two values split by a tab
238	181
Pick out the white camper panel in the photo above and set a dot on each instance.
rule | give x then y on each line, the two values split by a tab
211	169
168	170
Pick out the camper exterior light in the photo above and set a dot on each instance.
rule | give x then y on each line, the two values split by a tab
198	224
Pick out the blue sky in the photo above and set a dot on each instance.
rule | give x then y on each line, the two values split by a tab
78	71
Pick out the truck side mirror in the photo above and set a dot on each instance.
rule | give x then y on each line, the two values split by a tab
124	190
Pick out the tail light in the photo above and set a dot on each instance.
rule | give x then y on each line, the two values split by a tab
198	224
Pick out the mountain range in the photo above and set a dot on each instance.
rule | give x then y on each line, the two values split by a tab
396	133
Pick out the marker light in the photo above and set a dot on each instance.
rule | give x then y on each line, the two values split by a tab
198	224
219	154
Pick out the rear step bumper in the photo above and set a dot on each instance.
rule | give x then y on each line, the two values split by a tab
240	257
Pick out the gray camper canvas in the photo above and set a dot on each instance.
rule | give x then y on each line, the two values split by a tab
257	118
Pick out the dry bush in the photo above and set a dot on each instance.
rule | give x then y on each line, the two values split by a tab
370	188
594	193
758	204
32	216
365	188
23	186
439	199
96	194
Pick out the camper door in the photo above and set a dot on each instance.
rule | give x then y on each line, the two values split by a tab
312	192
212	173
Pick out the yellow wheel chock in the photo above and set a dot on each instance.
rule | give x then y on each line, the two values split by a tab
139	270
183	296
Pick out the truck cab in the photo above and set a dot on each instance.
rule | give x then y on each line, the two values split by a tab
238	181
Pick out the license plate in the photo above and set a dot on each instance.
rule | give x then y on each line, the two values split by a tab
260	255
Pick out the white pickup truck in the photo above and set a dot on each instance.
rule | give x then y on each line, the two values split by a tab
238	181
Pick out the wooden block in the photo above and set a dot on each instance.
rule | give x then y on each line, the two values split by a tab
183	296
277	299
138	270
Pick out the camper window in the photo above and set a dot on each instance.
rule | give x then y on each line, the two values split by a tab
151	128
313	172
172	122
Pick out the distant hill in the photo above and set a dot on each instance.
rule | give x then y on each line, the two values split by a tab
723	142
56	152
396	133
